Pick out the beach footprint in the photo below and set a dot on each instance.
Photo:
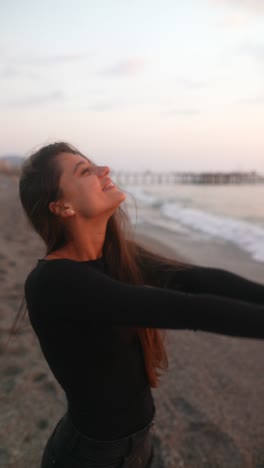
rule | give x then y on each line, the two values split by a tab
203	444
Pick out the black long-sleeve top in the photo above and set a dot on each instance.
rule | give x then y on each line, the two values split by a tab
85	320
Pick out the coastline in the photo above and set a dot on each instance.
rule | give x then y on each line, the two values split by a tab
200	250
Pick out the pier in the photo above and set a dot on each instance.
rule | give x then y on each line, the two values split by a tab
213	178
171	177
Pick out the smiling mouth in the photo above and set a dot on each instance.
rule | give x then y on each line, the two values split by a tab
108	186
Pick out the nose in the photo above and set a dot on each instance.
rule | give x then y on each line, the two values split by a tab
102	171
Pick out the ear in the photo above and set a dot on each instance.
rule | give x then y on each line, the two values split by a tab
55	207
60	209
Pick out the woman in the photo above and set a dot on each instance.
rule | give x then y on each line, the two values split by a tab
100	305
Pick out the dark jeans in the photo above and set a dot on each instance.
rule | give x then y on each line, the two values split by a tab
68	448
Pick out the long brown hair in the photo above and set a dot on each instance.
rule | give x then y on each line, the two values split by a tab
38	186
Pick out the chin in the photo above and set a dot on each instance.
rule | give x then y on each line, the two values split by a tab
123	195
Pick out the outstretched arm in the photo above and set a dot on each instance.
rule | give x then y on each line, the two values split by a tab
204	280
220	282
67	290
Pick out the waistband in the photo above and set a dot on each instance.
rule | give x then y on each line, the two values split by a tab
67	435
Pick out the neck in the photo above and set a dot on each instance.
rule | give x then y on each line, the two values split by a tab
86	241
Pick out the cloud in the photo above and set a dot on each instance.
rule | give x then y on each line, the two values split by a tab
256	100
255	6
127	67
190	83
101	107
235	20
57	59
10	72
45	60
36	100
186	112
253	50
239	13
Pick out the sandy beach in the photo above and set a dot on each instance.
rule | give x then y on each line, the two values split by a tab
210	410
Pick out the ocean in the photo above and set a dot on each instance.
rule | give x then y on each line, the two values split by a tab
234	213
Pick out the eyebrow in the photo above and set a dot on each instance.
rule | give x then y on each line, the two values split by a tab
79	164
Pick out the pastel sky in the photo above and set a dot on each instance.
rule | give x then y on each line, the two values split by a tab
136	84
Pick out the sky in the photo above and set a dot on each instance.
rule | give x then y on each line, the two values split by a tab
136	84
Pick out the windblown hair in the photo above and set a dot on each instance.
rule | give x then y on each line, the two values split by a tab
126	260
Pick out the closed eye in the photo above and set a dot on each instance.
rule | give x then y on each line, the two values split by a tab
87	169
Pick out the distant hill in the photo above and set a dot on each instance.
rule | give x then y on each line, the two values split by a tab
13	160
10	164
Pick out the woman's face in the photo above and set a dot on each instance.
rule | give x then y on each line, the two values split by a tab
87	190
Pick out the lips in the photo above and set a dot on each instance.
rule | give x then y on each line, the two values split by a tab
108	185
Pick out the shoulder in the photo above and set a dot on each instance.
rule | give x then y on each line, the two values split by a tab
50	278
56	271
65	268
